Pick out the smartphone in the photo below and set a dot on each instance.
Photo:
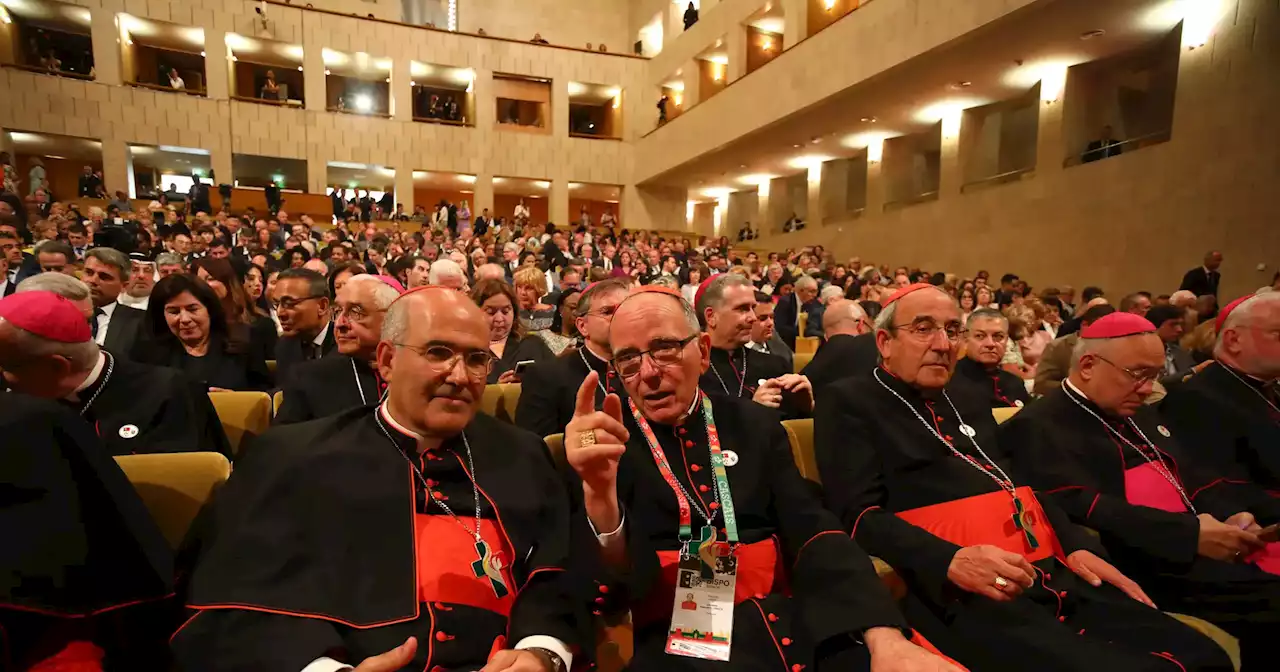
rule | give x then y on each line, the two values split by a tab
522	365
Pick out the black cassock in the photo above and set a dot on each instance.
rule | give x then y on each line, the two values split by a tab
325	545
841	356
139	408
81	559
1093	476
328	386
549	390
738	372
994	386
804	589
1231	422
909	500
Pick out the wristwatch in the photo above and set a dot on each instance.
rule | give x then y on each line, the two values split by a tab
552	659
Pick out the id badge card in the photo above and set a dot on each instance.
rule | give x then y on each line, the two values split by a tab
702	616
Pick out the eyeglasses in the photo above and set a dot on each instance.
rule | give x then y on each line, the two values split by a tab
355	313
1138	377
290	303
662	354
998	338
478	363
925	331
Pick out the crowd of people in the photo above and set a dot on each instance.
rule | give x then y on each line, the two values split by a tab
1136	478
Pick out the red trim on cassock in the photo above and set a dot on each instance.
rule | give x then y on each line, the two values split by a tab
764	619
919	640
1169	657
758	574
820	534
988	519
184	624
1216	482
1089	513
1063	489
854	533
91	614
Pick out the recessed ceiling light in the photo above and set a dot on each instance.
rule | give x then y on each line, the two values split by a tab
815	139
869	120
795	146
1090	34
962	84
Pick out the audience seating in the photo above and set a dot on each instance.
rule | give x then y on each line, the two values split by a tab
800	434
807	345
244	415
1003	414
175	486
801	360
276	400
1219	636
271	367
555	443
500	400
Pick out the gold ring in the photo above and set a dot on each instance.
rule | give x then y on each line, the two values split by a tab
1002	582
586	438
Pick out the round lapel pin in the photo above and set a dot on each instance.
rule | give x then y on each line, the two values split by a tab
968	431
1017	403
1164	431
730	458
128	431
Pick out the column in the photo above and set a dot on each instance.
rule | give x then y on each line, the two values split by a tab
736	45
483	198
813	208
401	101
875	178
105	33
1049	134
317	173
486	107
217	67
116	164
220	161
691	75
558	207
950	169
313	78
834	188
796	16
762	224
559	116
404	184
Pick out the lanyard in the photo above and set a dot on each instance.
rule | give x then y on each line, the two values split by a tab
723	495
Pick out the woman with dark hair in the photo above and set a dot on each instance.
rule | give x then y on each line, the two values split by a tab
297	257
564	328
238	308
254	278
340	274
187	329
507	342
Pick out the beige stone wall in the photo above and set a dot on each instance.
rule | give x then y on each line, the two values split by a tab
1137	221
571	23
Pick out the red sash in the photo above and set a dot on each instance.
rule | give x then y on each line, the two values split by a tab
758	575
444	556
988	519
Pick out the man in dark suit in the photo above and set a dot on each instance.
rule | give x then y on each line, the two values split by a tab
302	299
1101	148
1178	363
481	225
1204	280
850	346
764	337
787	316
115	327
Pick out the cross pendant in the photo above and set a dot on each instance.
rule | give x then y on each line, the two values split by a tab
1020	521
707	552
488	567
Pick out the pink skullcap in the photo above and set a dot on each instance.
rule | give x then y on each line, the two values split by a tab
1118	325
391	282
907	290
1221	321
46	315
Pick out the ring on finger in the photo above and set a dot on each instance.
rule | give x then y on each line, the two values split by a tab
586	438
1001	582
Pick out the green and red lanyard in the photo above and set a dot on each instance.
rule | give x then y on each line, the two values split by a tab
723	496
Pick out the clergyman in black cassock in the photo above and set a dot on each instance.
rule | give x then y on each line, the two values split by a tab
1172	524
85	575
901	470
344	537
806	597
978	373
848	349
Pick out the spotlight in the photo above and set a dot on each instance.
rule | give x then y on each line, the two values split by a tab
363	103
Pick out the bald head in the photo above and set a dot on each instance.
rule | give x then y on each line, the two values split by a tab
416	313
844	317
490	272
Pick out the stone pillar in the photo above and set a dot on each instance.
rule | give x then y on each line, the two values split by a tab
950	167
762	224
875	178
486	107
483	198
105	33
404	185
1049	139
796	15
559	116
813	211
401	103
217	77
220	161
313	77
736	45
691	75
317	173
558	207
116	164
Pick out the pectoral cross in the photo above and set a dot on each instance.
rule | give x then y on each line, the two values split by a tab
707	552
1022	521
488	566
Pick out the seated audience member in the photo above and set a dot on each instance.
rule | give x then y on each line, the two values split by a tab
419	272
404	592
1168	519
239	310
333	384
507	341
447	273
995	578
530	285
563	333
47	351
849	347
169	263
341	273
836	614
978	375
764	338
787	316
317	265
254	279
549	391
1228	414
1055	361
188	329
88	573
1178	363
1137	303
142	277
114	326
55	256
302	302
726	306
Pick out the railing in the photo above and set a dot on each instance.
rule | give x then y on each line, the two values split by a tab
592	136
1002	178
1132	144
911	200
45	71
167	89
357	113
268	101
446	122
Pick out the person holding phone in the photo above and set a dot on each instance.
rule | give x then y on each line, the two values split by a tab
507	340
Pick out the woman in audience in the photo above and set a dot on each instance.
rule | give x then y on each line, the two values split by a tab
530	287
237	307
186	329
697	273
254	279
967	304
270	89
564	329
507	340
984	297
622	265
464	218
297	257
340	274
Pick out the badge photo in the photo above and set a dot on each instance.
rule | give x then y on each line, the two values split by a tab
128	431
730	458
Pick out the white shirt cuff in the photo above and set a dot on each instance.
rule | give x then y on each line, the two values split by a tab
546	642
605	538
326	665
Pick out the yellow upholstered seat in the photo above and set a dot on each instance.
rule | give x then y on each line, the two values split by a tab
271	366
800	435
174	486
244	415
555	443
276	400
500	401
1003	414
1219	636
801	360
806	345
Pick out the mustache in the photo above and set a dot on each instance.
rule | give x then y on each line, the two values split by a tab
454	391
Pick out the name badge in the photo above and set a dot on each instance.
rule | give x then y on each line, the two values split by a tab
702	616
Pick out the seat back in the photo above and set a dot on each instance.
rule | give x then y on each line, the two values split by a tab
243	415
800	435
500	401
806	345
555	443
175	486
1002	414
801	360
276	400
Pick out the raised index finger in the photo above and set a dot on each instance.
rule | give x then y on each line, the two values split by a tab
586	401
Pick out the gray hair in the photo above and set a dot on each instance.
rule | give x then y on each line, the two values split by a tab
383	294
169	258
444	268
511	247
111	257
806	281
26	345
714	296
690	317
1086	346
986	314
1241	314
490	272
596	289
58	283
830	293
887	318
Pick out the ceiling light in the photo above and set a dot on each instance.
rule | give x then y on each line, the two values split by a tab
869	120
808	161
1090	34
299	68
815	139
363	103
326	72
962	84
202	54
388	80
576	89
796	146
471	179
755	179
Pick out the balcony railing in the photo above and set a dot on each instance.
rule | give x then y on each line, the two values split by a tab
167	89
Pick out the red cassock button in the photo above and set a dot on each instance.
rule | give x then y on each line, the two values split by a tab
773	618
1062	619
595	612
682	431
695	467
797	667
786	641
599	600
442	636
439	668
604	590
688	444
431	482
439	495
948	437
703	488
713	505
1062	594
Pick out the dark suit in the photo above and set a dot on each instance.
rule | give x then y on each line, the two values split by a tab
123	330
1180	361
328	386
9	287
1200	282
840	357
785	319
294	350
549	390
1101	149
519	350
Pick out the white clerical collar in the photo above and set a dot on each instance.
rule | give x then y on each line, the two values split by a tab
386	415
90	379
1076	389
587	346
